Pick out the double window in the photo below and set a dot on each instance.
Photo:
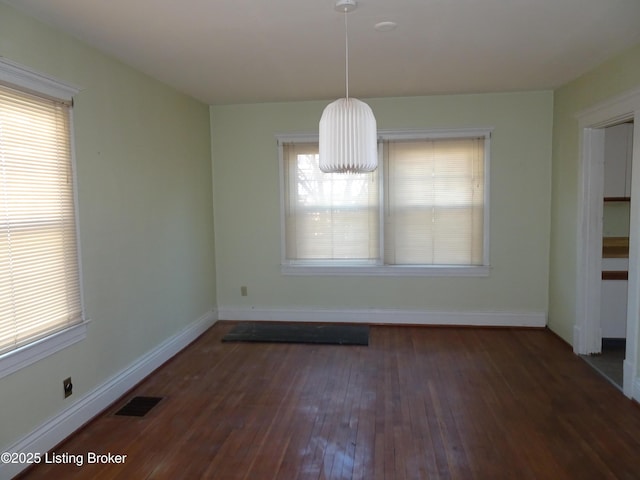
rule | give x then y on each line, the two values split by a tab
39	270
424	210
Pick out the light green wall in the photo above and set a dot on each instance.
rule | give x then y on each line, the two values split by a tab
246	202
146	220
620	74
615	219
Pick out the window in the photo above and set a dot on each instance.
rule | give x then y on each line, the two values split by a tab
424	211
328	216
39	269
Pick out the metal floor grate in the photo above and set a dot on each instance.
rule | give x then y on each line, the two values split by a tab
138	406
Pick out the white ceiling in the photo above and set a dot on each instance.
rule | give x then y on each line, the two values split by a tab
224	51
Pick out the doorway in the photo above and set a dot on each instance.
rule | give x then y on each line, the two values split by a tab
618	148
588	329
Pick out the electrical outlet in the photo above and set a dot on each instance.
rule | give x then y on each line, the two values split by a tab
243	291
68	387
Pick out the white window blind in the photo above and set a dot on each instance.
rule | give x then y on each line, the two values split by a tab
423	212
39	271
434	193
328	216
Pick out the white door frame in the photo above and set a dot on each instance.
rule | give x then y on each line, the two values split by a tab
587	335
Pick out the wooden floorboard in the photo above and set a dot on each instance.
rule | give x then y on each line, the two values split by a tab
417	403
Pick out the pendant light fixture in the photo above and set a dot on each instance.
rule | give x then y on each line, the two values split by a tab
348	135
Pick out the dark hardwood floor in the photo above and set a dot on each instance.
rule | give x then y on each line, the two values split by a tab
417	403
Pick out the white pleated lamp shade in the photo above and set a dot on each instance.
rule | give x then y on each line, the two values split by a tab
348	137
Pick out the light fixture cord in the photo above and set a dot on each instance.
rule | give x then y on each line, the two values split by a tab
346	49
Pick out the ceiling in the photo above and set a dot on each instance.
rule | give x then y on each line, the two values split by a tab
242	51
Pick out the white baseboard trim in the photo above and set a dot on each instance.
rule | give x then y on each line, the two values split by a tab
632	384
59	427
577	344
634	390
383	316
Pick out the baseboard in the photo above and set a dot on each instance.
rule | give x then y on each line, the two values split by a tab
56	429
577	344
628	372
384	316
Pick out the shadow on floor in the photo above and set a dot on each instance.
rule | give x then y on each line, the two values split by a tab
609	362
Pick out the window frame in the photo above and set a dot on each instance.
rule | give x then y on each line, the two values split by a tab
22	78
358	268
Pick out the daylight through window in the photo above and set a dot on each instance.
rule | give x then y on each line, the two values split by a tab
425	206
39	272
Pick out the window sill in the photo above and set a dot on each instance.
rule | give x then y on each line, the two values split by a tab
387	270
14	360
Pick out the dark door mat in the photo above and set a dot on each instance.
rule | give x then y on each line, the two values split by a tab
299	333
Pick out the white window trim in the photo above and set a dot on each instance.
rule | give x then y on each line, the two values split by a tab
22	77
21	357
16	75
385	270
347	268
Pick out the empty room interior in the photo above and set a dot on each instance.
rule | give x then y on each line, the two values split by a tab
458	297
